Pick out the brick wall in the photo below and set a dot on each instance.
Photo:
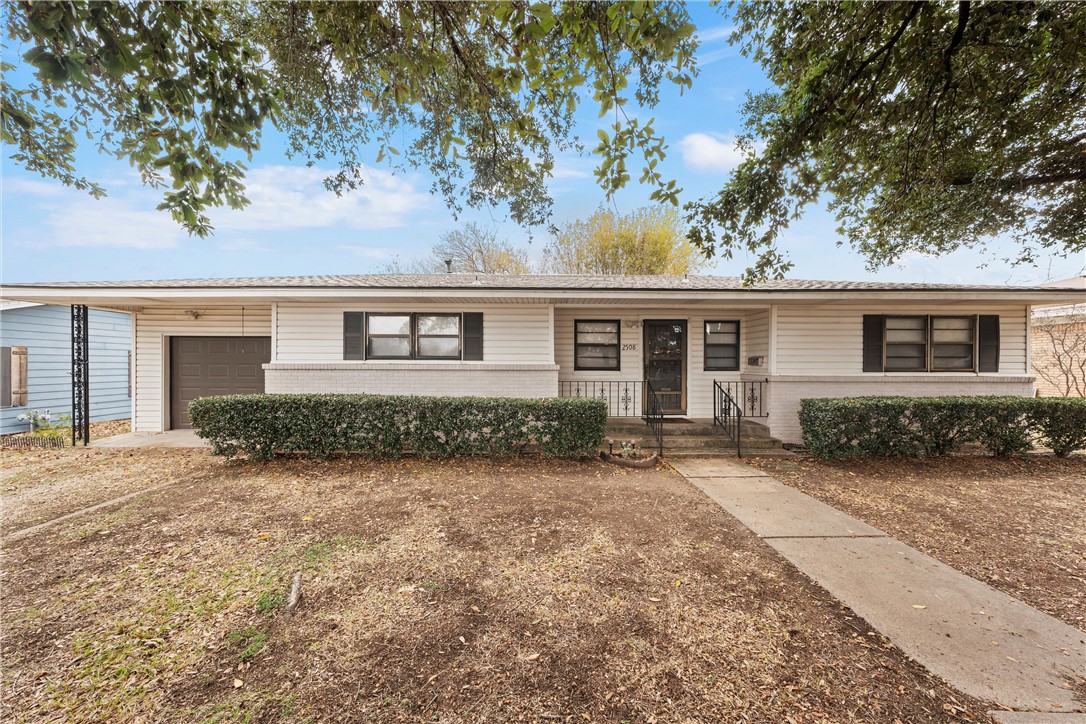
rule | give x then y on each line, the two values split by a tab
454	379
1059	355
786	392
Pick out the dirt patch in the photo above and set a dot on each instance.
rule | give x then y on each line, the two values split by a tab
455	591
37	485
1018	524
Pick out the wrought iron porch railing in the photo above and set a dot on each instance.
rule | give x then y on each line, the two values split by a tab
80	374
654	416
623	397
728	414
749	396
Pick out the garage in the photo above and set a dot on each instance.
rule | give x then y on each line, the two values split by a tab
206	366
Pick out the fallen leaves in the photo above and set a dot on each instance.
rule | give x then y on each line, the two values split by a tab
422	592
1009	522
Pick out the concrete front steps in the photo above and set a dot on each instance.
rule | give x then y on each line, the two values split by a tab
694	438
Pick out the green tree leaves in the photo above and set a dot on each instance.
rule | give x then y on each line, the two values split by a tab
163	85
481	95
933	126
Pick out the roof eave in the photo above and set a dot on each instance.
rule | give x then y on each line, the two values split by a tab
141	296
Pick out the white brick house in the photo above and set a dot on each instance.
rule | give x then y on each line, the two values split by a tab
768	346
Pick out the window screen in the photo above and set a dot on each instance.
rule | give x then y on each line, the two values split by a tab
596	345
722	345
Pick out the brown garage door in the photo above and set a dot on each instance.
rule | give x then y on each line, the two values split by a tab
205	366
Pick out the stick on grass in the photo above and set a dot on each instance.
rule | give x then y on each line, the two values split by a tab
295	593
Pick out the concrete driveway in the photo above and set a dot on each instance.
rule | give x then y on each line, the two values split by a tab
171	438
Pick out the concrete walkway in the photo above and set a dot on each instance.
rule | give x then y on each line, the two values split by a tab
978	639
171	438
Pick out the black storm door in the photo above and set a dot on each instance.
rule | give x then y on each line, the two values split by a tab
665	363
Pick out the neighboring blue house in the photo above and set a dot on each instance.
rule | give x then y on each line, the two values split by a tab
36	363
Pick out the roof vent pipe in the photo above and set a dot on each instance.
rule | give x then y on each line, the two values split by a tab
448	266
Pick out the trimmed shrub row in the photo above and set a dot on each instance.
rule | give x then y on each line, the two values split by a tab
932	426
385	426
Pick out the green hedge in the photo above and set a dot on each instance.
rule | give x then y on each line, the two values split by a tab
386	426
932	426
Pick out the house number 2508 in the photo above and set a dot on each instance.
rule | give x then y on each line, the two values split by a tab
627	347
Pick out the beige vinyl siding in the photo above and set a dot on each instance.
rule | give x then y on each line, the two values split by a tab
827	339
153	326
755	329
699	383
313	331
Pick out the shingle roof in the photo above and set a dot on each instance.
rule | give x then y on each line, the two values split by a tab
522	282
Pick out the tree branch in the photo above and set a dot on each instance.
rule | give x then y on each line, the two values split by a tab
888	45
959	33
1021	182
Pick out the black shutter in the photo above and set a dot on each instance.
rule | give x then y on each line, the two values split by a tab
473	335
988	343
873	328
352	335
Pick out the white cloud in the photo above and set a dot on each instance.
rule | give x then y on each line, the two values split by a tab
294	197
51	214
367	252
711	152
709	51
84	221
283	198
571	167
33	187
713	34
713	56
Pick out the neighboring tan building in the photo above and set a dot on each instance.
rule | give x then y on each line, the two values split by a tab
1059	345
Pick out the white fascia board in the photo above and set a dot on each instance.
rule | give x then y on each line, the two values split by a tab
145	296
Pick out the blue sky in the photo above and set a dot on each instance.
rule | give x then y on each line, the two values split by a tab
295	226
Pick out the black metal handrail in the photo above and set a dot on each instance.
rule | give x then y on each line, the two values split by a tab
654	416
623	397
728	414
749	395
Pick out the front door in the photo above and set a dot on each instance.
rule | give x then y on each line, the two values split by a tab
665	363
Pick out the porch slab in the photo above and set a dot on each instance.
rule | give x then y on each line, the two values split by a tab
170	438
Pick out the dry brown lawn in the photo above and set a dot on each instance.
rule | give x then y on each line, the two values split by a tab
517	590
1018	524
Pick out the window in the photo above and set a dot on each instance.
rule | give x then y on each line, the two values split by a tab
906	341
418	336
926	343
388	336
952	342
13	377
596	345
437	336
721	346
